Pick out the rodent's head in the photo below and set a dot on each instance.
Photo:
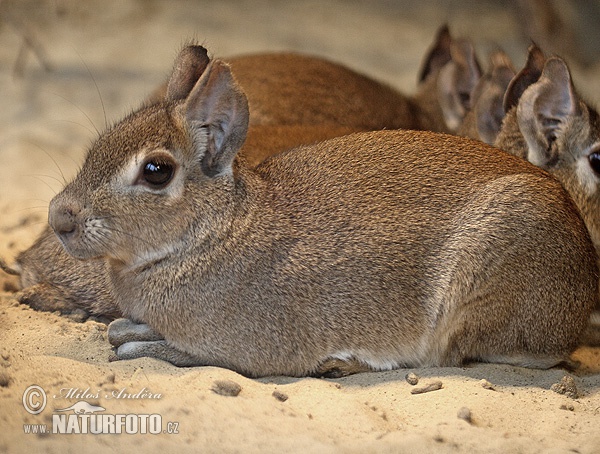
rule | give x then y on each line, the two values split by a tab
448	76
549	124
162	173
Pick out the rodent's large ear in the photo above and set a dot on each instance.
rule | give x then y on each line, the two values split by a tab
545	109
189	66
530	73
487	99
456	82
218	104
438	55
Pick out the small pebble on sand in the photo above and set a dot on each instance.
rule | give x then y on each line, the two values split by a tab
4	379
567	387
226	388
465	414
433	386
281	397
487	385
568	407
412	378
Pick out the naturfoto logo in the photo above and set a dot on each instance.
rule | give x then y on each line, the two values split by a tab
82	417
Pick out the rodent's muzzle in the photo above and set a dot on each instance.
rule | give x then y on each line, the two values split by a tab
64	219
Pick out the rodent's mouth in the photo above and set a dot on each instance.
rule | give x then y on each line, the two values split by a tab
77	247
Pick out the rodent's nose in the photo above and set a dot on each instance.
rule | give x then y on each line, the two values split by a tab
62	219
63	225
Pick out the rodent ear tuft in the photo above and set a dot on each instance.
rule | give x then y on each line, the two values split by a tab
189	66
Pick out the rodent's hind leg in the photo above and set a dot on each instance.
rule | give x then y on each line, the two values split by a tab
123	330
158	349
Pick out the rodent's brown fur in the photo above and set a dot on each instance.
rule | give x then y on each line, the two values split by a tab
387	248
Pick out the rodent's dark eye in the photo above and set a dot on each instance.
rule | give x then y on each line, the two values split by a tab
157	173
594	159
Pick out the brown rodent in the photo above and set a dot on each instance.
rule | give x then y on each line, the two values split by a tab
390	248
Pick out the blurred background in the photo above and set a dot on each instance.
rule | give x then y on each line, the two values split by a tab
68	68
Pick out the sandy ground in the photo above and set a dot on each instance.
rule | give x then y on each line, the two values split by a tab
105	57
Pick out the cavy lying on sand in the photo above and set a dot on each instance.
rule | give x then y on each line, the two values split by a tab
380	249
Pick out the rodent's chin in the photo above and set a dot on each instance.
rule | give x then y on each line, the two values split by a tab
81	253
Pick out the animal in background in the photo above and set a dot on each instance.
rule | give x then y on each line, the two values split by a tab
545	121
486	111
549	124
446	81
296	89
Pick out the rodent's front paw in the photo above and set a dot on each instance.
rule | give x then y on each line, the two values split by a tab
158	349
123	330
